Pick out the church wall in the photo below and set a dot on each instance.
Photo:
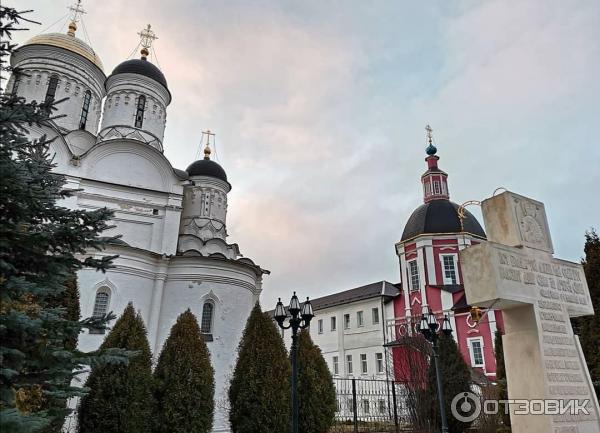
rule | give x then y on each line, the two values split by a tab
233	289
121	101
76	76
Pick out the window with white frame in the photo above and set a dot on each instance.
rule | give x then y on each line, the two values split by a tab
476	351
349	364
350	404
449	268
436	187
206	323
101	303
360	319
333	323
320	326
336	365
379	362
413	274
375	315
346	321
364	366
382	406
366	408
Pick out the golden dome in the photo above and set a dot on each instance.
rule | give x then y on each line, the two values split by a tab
67	42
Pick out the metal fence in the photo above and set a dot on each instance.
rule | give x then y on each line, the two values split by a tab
369	406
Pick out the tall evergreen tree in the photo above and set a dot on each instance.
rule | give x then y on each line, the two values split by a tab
120	398
259	394
316	392
184	380
502	387
42	244
456	377
588	328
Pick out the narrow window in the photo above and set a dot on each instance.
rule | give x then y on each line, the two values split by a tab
101	303
333	324
449	269
139	113
476	352
349	364
320	323
87	97
413	270
366	407
16	83
350	405
382	406
346	321
436	187
52	85
379	362
363	363
360	320
375	315
207	317
336	366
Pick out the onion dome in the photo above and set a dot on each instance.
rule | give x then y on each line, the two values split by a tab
440	217
207	167
141	67
67	42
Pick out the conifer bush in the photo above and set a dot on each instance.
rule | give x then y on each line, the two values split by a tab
120	397
456	379
259	393
184	380
316	392
42	245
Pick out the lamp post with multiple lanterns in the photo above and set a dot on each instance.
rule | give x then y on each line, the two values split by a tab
299	317
428	326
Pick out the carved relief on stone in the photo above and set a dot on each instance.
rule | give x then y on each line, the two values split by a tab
531	219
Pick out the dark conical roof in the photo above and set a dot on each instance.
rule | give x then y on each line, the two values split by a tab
141	67
438	217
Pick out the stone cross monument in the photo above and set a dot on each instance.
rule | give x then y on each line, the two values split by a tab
515	272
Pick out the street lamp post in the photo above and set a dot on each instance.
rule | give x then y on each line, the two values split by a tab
299	318
429	327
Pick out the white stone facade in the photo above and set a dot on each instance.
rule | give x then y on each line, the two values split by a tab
173	253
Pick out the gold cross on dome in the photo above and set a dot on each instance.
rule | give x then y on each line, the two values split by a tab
207	147
429	133
77	11
147	36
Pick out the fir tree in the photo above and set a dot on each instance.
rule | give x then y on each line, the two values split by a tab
456	379
184	378
120	398
316	393
259	395
588	328
42	245
502	387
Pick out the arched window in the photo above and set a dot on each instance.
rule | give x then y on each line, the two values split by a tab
207	317
16	83
52	85
139	113
87	97
100	306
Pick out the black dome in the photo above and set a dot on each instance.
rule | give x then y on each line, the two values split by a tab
206	167
440	216
141	67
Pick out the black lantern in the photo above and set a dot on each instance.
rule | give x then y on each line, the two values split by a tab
299	318
429	326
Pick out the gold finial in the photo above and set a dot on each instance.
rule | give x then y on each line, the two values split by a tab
207	151
147	37
77	12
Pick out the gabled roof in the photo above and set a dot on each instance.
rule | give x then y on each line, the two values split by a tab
373	290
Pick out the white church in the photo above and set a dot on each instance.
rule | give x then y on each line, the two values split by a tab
173	251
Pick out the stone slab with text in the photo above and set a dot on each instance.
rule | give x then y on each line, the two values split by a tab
515	272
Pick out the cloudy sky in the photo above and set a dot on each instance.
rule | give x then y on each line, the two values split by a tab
320	106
